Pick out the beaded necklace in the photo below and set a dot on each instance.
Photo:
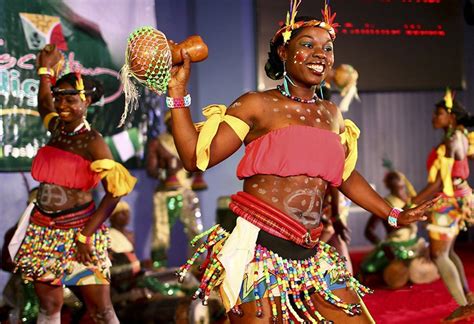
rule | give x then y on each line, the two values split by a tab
298	99
81	129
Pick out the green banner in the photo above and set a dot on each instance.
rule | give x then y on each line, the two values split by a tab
26	26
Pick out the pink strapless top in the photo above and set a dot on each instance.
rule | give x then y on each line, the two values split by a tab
63	168
295	150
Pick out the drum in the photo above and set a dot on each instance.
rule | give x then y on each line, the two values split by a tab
148	59
396	274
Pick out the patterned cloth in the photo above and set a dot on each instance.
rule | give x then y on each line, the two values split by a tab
268	275
450	214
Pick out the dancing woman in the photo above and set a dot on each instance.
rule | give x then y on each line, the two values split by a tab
272	266
448	171
66	240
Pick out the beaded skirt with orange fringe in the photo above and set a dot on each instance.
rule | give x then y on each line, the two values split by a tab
47	253
268	275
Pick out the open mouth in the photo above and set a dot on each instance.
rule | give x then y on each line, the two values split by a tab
63	114
318	68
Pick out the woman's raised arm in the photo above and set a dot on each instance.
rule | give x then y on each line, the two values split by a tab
48	60
224	138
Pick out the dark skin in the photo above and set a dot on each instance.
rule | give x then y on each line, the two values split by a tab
90	146
309	57
158	158
456	147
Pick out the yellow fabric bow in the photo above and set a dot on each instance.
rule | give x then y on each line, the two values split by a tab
215	114
443	165
470	138
349	137
119	181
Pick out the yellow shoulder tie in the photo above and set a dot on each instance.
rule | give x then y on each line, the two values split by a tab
215	114
349	137
443	165
48	117
470	138
119	181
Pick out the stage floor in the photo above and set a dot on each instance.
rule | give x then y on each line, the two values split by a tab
420	304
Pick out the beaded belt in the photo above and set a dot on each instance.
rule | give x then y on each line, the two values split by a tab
71	218
273	221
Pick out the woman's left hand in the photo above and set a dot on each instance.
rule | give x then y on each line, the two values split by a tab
417	213
84	253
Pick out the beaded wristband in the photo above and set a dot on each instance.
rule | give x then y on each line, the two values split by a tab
393	216
83	239
46	71
182	102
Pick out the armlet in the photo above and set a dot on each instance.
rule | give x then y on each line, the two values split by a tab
119	181
349	138
47	119
215	114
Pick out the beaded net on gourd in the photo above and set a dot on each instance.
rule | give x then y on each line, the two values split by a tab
148	60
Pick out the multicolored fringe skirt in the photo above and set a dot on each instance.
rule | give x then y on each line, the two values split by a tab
245	268
48	250
451	214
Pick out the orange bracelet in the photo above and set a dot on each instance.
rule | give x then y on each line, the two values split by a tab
46	71
84	239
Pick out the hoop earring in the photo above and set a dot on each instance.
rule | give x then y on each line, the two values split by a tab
321	85
286	79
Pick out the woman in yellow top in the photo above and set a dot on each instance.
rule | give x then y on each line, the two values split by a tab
448	170
66	240
272	266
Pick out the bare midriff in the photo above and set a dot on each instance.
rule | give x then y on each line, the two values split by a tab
300	197
56	198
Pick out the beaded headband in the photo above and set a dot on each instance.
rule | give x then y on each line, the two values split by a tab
63	92
327	23
79	89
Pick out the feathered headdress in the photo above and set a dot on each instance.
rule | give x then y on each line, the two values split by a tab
448	100
326	23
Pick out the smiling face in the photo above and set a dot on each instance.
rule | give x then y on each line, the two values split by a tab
309	56
70	107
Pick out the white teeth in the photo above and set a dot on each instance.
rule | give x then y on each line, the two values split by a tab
316	67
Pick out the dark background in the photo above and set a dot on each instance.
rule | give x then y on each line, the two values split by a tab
395	45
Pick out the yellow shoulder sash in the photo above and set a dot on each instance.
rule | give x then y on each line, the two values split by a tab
119	181
443	165
470	138
349	138
215	114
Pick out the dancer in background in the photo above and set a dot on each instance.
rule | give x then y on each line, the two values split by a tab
401	247
448	170
272	265
66	240
175	196
335	214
